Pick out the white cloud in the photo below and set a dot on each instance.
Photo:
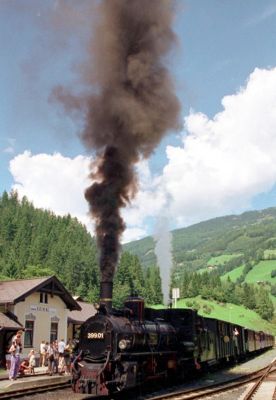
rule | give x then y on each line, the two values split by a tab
131	234
53	182
150	198
225	161
221	165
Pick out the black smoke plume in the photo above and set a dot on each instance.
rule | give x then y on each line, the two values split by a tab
132	105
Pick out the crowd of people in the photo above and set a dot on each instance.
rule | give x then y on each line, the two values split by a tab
56	356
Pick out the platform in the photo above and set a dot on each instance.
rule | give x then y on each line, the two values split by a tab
40	378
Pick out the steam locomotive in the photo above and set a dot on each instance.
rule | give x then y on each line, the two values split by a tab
122	349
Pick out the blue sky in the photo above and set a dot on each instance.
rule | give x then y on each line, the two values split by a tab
224	68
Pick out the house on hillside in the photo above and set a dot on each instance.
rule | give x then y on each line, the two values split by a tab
39	306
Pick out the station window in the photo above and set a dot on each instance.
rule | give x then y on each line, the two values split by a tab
54	331
44	298
29	334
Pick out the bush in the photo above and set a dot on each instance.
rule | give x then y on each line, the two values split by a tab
273	273
273	290
207	309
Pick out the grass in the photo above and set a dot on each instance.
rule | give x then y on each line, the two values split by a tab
228	312
262	272
220	260
216	261
234	274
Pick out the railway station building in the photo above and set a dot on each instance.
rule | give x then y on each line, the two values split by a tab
42	308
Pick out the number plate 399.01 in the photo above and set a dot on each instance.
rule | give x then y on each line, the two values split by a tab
95	335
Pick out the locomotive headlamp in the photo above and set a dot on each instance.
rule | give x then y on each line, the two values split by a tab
123	344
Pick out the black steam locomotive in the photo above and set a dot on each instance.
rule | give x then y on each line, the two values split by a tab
123	349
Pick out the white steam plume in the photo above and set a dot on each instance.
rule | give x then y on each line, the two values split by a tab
163	252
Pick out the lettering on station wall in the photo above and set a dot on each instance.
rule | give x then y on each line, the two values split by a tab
34	307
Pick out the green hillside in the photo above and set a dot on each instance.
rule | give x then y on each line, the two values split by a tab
231	236
222	259
262	272
227	312
234	274
231	313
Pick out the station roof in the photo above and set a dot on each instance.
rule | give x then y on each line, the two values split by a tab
87	311
13	291
8	323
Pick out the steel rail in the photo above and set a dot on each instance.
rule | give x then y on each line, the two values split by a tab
17	393
255	388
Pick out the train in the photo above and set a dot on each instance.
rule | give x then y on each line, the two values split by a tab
123	349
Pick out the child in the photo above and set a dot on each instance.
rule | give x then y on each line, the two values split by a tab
24	367
32	361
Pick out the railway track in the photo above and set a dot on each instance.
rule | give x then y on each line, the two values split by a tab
264	388
18	393
256	389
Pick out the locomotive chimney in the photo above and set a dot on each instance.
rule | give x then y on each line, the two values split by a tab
106	295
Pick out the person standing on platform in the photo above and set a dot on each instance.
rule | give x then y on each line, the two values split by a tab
67	357
42	351
61	361
52	356
15	350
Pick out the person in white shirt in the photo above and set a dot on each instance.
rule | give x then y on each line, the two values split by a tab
61	346
61	361
42	351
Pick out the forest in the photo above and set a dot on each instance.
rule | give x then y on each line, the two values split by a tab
35	242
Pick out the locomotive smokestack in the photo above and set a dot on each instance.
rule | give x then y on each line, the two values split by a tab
106	295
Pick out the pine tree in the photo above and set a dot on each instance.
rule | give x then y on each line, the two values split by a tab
264	305
153	289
